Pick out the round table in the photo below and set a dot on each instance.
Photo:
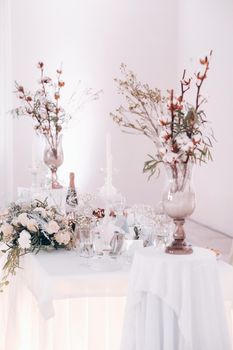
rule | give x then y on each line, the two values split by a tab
175	302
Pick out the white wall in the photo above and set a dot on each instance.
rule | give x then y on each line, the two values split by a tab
157	39
205	25
6	181
91	38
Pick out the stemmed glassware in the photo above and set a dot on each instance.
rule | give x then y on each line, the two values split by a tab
86	241
152	225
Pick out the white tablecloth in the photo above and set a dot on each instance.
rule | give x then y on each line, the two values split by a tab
57	302
175	302
63	275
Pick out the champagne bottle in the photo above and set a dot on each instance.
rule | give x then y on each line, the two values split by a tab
71	197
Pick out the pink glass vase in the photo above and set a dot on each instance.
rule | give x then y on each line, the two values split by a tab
179	203
53	158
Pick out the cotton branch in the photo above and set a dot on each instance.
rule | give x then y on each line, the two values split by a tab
201	77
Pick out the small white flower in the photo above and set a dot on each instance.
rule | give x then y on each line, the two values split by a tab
7	231
182	139
58	218
162	151
184	143
50	213
170	157
43	115
32	225
24	239
40	92
23	219
187	147
15	222
62	237
52	227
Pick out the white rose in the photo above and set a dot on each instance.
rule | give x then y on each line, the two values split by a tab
52	227
32	225
23	219
25	206
7	231
50	213
62	237
24	239
15	222
41	211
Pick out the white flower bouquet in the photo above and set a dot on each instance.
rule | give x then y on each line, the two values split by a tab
30	227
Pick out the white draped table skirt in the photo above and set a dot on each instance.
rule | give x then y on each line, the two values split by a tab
157	328
93	323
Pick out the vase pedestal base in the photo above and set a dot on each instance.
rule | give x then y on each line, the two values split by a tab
56	185
179	247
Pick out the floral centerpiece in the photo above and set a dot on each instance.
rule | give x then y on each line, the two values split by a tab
48	114
178	130
31	227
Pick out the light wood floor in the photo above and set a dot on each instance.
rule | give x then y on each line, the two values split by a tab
202	236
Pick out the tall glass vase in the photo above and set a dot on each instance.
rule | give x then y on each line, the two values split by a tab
179	203
53	158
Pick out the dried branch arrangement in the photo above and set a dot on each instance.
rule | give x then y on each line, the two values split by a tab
178	128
